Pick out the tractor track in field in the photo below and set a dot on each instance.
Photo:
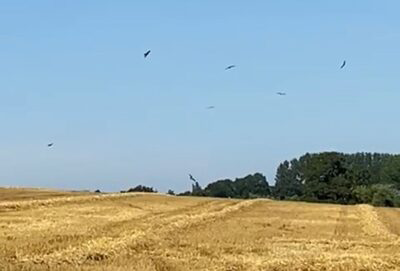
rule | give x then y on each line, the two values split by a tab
341	230
389	217
372	225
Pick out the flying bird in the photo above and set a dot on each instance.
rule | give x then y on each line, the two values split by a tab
344	64
147	53
281	93
230	67
50	145
210	107
192	179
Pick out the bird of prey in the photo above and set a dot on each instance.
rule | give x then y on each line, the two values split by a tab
281	93
192	179
230	67
210	107
50	145
147	53
344	64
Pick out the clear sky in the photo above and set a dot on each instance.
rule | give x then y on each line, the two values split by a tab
73	73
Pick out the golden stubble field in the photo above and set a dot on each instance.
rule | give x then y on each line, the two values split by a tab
49	230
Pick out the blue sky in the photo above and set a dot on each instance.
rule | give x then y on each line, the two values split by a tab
73	73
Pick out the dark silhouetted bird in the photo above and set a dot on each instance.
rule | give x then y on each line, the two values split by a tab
344	64
230	67
192	179
281	93
50	145
147	53
210	107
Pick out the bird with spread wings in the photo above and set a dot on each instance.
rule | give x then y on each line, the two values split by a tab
147	53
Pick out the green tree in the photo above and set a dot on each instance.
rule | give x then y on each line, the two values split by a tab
252	186
391	171
385	196
197	190
363	194
324	177
221	188
288	182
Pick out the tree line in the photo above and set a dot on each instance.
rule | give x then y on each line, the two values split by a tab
251	186
330	177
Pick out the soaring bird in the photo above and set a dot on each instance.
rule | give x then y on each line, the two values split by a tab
192	179
147	53
281	93
344	64
230	67
50	145
210	107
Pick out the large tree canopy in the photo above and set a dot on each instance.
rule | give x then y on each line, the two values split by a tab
340	178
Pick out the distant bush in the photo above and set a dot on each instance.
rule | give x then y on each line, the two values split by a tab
384	195
363	194
171	192
294	198
97	191
186	193
140	188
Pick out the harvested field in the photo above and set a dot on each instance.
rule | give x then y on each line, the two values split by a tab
20	194
40	231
